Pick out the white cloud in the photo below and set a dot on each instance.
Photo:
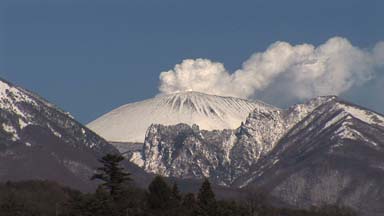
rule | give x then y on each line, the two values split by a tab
297	71
198	75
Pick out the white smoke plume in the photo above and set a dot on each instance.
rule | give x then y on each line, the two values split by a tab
299	71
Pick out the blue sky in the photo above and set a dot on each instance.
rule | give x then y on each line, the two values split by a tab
90	56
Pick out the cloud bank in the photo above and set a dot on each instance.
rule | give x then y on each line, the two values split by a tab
295	72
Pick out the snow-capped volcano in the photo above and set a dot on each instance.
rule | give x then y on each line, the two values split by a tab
130	122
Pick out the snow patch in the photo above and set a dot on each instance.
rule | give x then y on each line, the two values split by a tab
275	161
345	132
54	131
137	159
363	115
22	123
11	130
335	119
228	146
10	99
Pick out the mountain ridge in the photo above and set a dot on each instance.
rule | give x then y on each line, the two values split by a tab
319	162
129	123
242	146
40	141
324	151
305	155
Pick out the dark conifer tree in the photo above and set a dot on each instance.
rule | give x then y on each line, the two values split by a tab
206	200
188	204
160	194
114	177
189	201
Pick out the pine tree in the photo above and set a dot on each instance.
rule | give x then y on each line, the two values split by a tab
189	204
114	177
160	194
189	201
206	200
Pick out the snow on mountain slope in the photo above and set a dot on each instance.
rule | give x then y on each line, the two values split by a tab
333	156
325	151
264	128
130	122
363	114
40	141
20	108
224	156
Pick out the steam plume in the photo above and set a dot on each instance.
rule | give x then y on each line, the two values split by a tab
299	71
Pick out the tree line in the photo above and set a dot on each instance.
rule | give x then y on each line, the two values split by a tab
117	196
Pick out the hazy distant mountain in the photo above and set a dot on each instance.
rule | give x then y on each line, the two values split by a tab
130	122
40	141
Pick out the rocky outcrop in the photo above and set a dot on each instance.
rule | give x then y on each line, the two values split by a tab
325	151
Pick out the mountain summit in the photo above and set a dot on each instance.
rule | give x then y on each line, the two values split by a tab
130	122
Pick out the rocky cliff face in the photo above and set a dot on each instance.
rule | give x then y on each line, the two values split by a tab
223	155
186	152
323	151
334	155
